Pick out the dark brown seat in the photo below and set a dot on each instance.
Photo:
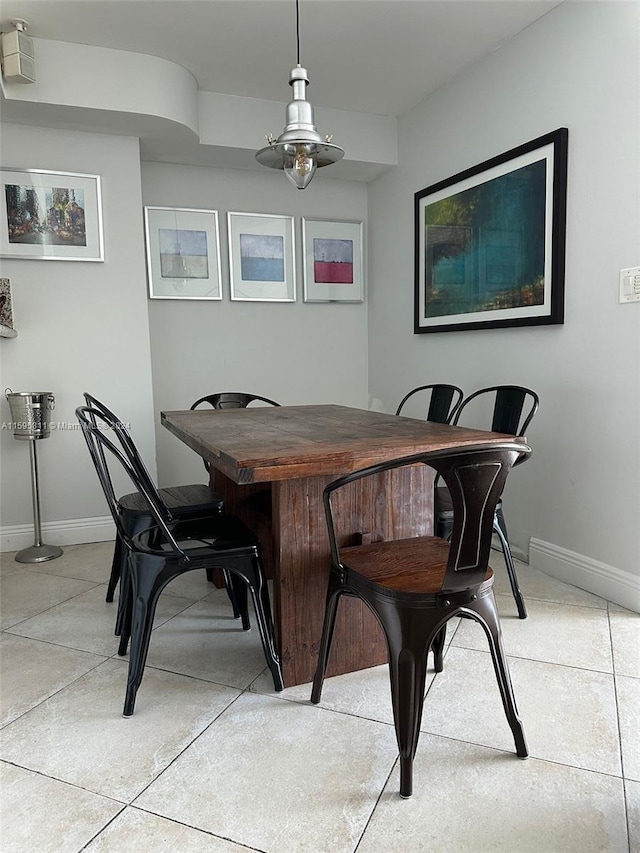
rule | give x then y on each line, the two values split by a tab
443	401
168	548
182	501
512	408
414	586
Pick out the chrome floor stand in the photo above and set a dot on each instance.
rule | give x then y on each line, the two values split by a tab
38	552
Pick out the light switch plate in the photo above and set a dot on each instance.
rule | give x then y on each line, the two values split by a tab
630	284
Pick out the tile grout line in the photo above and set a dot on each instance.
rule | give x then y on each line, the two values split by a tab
622	763
55	693
63	782
9	632
529	757
177	823
538	660
182	751
57	604
376	804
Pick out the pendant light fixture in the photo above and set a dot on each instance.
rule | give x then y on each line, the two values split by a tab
299	150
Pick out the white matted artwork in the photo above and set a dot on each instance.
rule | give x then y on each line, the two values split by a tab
261	257
50	216
7	329
333	260
183	253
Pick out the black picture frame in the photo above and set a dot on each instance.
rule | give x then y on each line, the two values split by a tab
490	242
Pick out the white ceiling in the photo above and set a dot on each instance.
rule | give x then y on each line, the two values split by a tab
371	56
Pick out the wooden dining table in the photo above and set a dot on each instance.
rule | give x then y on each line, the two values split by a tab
271	464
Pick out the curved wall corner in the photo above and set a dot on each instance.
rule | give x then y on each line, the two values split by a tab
92	78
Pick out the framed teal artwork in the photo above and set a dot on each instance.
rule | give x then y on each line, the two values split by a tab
490	242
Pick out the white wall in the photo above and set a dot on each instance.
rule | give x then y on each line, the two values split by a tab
81	327
577	67
291	352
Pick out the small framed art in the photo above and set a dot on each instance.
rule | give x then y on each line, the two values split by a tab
333	260
50	216
261	257
6	310
183	253
490	242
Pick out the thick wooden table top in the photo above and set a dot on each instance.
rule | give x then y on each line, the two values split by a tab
258	445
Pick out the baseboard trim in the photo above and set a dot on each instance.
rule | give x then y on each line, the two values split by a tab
608	582
71	531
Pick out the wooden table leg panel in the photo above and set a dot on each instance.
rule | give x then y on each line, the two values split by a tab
380	508
302	559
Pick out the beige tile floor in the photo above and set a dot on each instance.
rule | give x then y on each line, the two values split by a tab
213	761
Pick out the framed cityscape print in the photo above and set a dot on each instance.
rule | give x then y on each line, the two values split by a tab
50	216
490	242
333	260
261	257
183	253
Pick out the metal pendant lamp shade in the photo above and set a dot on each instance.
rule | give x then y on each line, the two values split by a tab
299	150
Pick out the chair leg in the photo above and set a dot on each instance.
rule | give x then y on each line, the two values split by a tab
125	591
334	592
500	528
228	583
486	608
438	648
239	590
233	597
260	595
115	569
147	583
125	606
408	671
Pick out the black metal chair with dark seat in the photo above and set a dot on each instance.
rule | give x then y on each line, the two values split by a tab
513	408
260	500
230	400
181	501
443	401
414	586
170	547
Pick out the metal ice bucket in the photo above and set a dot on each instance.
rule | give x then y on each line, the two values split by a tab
30	413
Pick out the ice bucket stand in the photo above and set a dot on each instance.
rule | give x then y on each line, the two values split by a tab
30	411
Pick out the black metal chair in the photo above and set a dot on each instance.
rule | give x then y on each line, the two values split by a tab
230	400
182	501
512	412
414	586
169	548
443	401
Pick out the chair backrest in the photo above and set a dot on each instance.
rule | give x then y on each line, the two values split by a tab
103	431
443	401
475	476
95	405
232	400
513	408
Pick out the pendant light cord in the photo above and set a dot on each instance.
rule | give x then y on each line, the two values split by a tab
298	31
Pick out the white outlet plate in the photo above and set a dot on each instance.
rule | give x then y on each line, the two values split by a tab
630	284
